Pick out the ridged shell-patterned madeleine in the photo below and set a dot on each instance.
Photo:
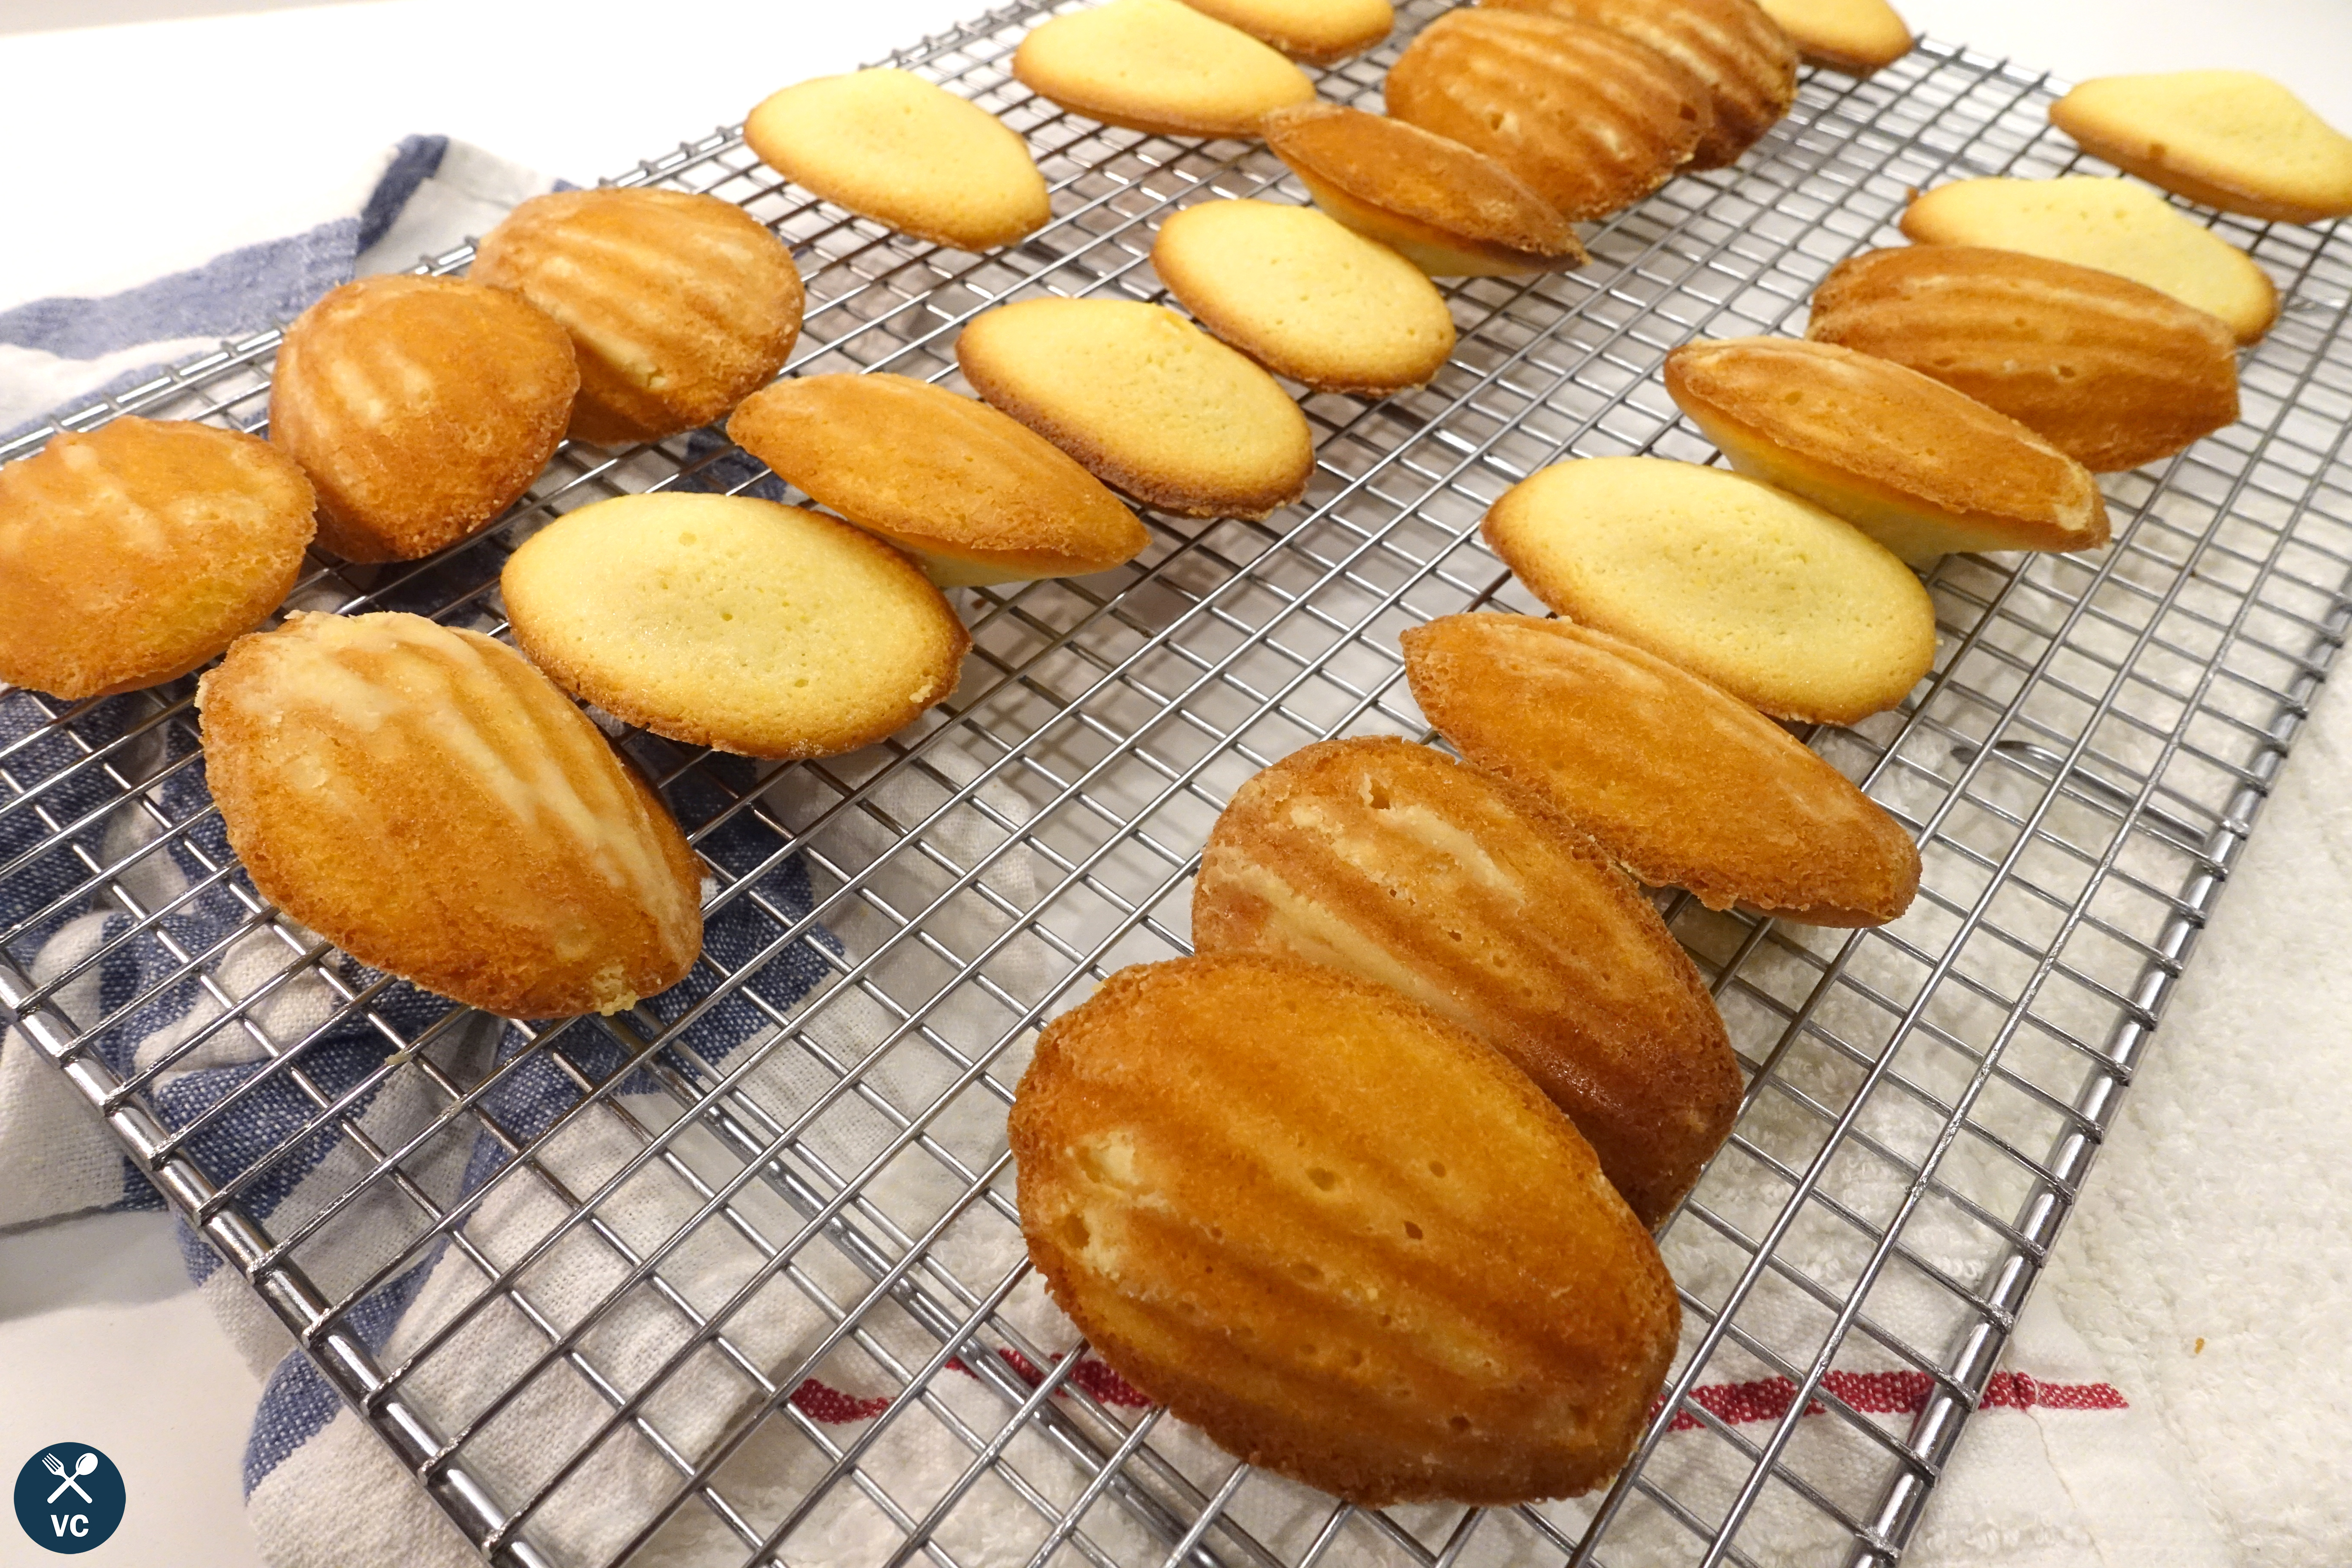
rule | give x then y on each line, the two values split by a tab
2111	373
679	305
421	408
1746	62
1592	121
1398	864
972	494
423	798
1682	783
131	555
1340	1235
1918	467
1450	210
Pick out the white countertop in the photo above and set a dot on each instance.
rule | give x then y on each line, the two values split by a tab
143	145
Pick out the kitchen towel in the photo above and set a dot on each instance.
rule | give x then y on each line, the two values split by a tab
2108	1445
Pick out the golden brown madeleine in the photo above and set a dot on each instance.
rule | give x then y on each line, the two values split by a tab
1746	62
1683	783
421	408
679	305
1450	210
1592	121
1920	467
1157	65
135	552
423	798
972	494
728	621
1856	37
1345	1237
906	153
1760	592
1146	400
2111	373
2233	140
1471	896
1321	32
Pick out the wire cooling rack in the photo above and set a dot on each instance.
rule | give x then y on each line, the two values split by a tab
737	1277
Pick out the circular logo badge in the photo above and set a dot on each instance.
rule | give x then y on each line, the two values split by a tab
69	1497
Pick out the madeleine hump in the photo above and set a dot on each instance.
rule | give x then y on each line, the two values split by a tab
1450	210
1918	467
1746	62
972	494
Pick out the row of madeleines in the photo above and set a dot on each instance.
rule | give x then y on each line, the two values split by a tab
627	315
1432	1021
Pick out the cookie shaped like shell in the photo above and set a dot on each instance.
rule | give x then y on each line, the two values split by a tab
679	305
728	621
1305	296
1450	210
421	408
1157	65
1590	119
1920	467
974	494
1766	594
134	552
904	152
1274	1197
1321	32
1856	37
2111	373
2233	140
1396	864
1682	783
423	798
1746	61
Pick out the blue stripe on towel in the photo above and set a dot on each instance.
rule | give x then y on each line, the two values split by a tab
297	1402
242	290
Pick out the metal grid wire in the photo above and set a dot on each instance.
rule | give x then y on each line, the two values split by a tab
737	1277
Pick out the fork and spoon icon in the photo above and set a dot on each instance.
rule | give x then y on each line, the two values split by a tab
71	1479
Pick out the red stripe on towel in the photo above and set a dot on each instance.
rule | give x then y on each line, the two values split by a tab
1886	1393
1733	1403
